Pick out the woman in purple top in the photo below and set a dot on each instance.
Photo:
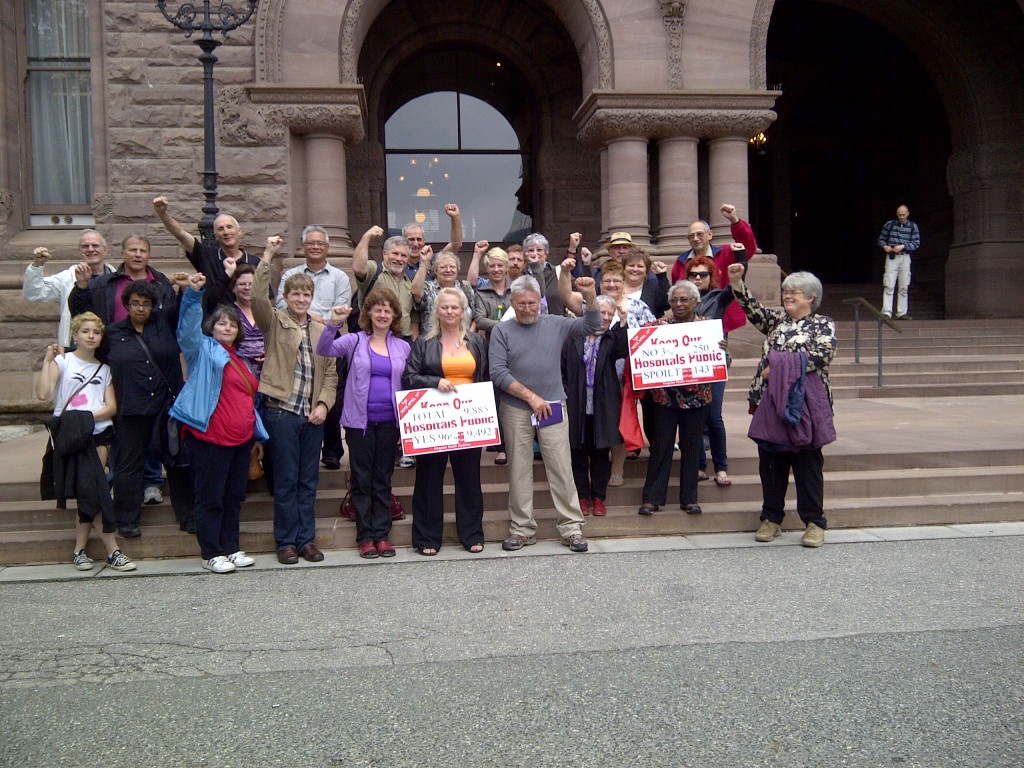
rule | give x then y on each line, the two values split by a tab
251	348
376	359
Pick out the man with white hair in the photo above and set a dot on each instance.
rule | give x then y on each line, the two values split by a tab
531	398
416	238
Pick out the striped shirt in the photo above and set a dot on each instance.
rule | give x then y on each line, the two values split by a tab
907	235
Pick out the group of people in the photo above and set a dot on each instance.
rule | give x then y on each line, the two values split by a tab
277	375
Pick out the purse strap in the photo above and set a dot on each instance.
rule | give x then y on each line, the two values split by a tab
241	373
152	362
80	388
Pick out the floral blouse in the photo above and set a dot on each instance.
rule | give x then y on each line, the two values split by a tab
814	334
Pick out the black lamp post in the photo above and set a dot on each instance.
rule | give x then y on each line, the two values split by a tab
207	20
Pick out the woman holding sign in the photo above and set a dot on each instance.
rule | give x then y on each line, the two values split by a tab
667	409
376	358
446	358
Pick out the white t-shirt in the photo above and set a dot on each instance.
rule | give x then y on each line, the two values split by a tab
72	373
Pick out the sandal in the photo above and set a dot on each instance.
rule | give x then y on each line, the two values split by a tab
615	480
633	455
722	478
426	551
501	459
476	549
702	476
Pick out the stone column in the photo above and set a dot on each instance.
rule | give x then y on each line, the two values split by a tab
727	177
325	186
604	195
677	191
628	188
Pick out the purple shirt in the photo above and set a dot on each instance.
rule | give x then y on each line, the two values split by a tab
380	405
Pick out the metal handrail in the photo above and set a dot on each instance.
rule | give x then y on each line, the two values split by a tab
858	302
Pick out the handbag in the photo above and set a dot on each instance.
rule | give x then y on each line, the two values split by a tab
629	423
347	508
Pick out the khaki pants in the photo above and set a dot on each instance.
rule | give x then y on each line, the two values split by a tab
554	447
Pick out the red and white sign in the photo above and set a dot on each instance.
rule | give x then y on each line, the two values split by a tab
677	354
431	421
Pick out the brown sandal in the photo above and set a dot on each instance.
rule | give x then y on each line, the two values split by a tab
722	479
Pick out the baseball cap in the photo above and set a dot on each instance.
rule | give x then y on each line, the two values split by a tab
620	238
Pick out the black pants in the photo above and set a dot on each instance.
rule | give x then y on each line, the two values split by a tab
218	495
808	474
428	498
591	466
661	425
132	438
334	448
371	460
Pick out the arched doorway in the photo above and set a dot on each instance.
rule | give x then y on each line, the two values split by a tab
861	130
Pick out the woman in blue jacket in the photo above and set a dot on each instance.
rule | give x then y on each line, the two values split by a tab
216	407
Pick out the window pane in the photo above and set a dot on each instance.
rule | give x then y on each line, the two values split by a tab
483	127
58	29
484	186
60	106
426	121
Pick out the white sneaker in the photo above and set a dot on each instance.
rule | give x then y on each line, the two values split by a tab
219	564
119	561
241	560
152	495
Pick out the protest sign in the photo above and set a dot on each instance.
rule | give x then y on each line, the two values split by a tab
675	354
430	421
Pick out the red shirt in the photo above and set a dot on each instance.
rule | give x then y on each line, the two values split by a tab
233	421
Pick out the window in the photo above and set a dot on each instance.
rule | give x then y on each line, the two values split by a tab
448	146
59	106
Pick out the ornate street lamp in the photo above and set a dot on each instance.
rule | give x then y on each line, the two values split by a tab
224	18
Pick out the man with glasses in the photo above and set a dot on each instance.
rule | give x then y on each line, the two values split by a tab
37	287
736	252
208	259
331	288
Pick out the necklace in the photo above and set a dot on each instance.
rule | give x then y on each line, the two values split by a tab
457	343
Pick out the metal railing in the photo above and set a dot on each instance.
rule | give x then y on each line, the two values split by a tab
883	320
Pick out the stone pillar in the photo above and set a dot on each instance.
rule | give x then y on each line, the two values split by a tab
326	186
727	177
628	188
604	195
677	191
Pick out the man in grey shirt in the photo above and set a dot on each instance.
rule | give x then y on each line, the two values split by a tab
524	359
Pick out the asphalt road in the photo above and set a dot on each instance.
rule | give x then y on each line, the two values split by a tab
881	654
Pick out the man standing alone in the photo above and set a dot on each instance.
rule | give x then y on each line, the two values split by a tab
900	238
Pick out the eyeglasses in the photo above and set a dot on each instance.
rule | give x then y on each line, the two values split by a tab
315	244
140	305
701	275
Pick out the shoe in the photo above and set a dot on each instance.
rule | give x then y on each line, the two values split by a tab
768	531
632	455
475	549
722	479
119	561
426	551
189	526
406	462
814	536
887	314
599	508
702	476
585	506
219	564
331	462
691	509
368	550
131	532
647	509
515	541
904	317
615	480
575	543
82	561
241	560
287	556
384	548
152	495
311	554
501	459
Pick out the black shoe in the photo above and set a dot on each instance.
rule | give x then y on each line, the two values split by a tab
331	462
131	531
691	509
647	509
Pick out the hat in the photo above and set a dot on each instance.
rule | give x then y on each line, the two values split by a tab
620	238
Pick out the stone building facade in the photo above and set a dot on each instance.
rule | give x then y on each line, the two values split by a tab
633	115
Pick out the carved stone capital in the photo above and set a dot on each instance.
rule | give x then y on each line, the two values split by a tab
609	115
103	204
985	166
260	114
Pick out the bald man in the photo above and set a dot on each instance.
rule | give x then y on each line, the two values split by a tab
899	238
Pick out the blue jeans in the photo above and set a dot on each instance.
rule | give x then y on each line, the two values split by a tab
716	430
294	449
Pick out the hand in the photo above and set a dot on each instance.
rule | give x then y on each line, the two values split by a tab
622	305
574	241
585	284
887	249
257	451
724	344
586	255
373	232
729	211
53	351
541	408
180	279
318	415
452	210
426	256
736	275
481	246
737	247
160	204
340	314
39	256
230	265
658	268
82	274
765	372
445	385
898	249
274	243
197	281
568	264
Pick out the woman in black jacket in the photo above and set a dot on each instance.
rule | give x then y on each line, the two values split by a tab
593	401
443	359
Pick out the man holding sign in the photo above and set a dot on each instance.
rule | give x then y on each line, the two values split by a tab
525	370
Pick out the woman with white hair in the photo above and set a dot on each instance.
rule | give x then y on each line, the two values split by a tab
789	430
